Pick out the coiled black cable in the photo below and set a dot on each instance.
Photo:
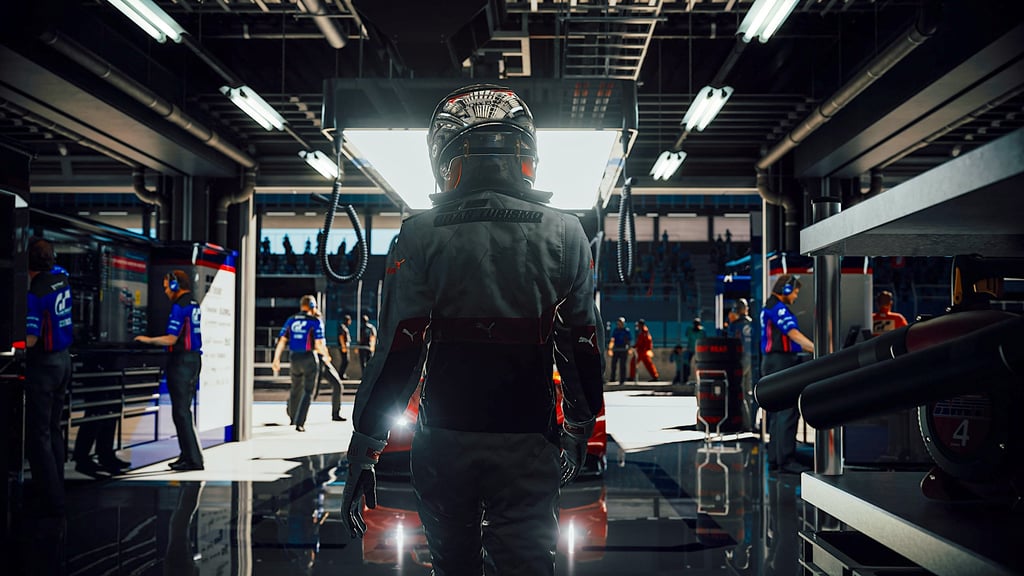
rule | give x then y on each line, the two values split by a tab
364	250
626	247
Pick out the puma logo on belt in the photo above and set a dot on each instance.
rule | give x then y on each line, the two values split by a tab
487	329
585	340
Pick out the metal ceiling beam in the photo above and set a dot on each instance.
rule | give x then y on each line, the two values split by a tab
49	95
946	79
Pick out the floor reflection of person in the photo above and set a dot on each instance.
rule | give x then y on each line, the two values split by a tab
179	560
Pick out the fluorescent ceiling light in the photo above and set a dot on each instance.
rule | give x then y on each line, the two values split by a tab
682	214
736	215
667	164
321	163
257	108
577	166
113	213
151	18
280	213
764	18
705	107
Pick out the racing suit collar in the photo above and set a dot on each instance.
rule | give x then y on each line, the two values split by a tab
461	192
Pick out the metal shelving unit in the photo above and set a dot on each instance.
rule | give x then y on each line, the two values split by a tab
949	539
971	204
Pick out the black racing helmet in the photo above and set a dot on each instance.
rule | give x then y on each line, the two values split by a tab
481	119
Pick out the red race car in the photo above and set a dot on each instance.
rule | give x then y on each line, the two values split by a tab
394	460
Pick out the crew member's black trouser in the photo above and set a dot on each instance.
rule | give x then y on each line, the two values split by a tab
343	368
620	357
99	432
337	387
182	375
781	424
305	371
495	493
48	376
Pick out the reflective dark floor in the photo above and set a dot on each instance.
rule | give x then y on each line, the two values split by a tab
684	507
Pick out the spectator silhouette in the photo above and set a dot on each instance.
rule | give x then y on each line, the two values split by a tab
353	257
289	254
309	258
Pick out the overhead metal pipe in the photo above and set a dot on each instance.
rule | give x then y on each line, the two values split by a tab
790	203
877	178
923	28
969	117
103	69
225	200
327	25
155	198
65	132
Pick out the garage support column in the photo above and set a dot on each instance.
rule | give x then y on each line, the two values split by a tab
243	236
828	447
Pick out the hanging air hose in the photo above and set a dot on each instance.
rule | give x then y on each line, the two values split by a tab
332	207
626	247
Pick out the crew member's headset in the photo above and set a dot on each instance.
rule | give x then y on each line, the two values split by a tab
788	287
172	282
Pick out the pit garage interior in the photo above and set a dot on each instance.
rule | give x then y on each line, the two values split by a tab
863	145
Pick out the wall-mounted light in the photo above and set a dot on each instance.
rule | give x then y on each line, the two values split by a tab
667	164
764	18
321	163
249	101
151	18
705	107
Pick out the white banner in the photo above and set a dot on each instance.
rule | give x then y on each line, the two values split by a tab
217	380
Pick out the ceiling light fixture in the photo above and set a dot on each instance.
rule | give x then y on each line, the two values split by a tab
705	107
764	18
151	18
667	164
320	162
257	108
